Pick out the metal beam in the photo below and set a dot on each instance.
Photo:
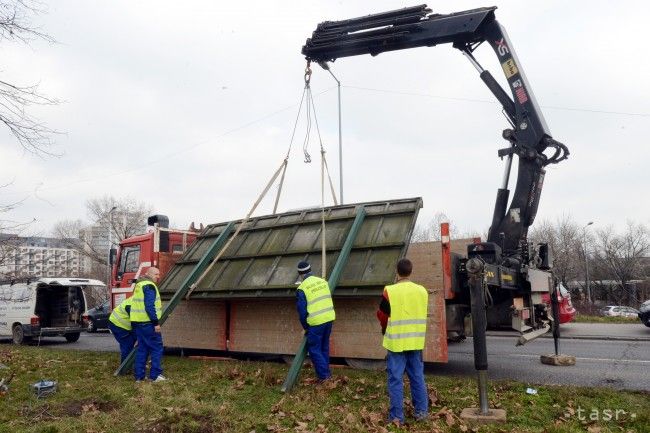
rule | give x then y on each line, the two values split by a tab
296	365
184	287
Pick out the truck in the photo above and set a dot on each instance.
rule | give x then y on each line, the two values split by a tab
246	304
160	246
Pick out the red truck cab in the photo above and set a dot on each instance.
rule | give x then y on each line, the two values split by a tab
160	246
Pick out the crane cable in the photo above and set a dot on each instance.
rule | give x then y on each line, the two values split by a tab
310	107
306	95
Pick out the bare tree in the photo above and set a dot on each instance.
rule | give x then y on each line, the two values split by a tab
431	230
620	257
111	219
564	238
15	25
15	99
126	215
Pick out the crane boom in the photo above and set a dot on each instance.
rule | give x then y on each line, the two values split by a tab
416	26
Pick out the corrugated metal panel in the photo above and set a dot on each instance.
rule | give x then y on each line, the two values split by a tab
261	261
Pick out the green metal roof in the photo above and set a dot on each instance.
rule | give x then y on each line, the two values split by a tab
261	261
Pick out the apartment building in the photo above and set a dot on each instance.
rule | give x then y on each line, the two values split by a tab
35	256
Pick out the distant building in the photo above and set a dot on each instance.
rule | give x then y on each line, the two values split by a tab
98	237
40	257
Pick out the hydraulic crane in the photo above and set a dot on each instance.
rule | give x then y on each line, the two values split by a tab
505	273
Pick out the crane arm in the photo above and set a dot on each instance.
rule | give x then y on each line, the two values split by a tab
417	27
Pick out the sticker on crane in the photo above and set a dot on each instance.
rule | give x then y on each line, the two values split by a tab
502	48
520	92
509	68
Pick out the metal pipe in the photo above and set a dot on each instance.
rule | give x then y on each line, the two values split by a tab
584	240
338	83
473	61
506	173
482	392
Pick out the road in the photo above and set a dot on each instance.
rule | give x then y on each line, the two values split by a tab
620	364
611	355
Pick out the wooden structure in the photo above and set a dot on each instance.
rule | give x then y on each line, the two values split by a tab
230	313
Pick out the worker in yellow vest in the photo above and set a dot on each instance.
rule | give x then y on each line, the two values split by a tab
316	314
146	310
120	326
403	317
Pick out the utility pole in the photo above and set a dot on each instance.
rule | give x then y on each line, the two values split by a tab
584	241
110	245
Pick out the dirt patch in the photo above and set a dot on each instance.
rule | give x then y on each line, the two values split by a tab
89	405
186	423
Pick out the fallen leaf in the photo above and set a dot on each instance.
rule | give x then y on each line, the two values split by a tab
594	429
434	398
570	410
350	419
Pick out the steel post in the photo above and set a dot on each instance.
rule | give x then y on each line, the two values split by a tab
296	365
555	306
184	287
475	268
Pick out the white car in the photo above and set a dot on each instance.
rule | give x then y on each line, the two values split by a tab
43	307
620	311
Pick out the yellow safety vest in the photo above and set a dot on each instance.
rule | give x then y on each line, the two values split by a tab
320	308
138	313
407	323
120	317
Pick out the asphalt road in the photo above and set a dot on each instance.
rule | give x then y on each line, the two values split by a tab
616	356
620	364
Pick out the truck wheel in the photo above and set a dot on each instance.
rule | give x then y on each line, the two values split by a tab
18	334
646	322
91	326
71	338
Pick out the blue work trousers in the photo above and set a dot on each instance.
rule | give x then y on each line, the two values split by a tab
126	340
411	362
149	344
318	345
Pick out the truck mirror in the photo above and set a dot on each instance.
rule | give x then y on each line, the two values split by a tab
111	256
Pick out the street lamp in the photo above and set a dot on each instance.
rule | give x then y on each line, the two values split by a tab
584	241
110	245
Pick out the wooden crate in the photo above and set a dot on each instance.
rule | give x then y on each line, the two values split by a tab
196	325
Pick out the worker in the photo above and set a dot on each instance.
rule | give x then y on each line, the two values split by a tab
403	317
119	324
316	314
146	309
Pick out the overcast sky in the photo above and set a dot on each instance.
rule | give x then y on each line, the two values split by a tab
189	106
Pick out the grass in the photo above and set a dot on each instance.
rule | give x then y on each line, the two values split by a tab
585	318
240	396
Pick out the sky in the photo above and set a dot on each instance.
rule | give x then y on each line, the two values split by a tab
190	106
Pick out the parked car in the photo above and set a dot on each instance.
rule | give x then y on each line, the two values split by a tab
97	318
644	313
619	311
43	307
567	310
